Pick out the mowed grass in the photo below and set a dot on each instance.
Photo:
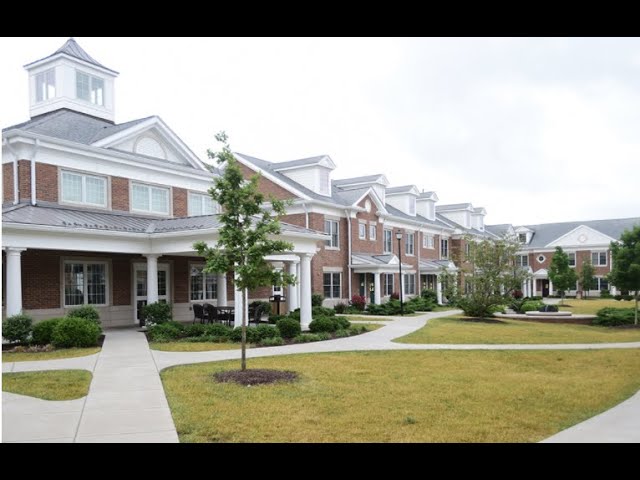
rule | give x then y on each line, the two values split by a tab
403	396
367	318
193	346
457	330
370	326
592	306
8	357
50	385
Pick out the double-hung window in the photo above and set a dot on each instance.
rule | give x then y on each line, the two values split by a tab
362	231
409	244
522	260
146	198
45	85
85	283
201	204
84	189
444	248
372	232
331	283
332	228
572	259
427	241
388	283
410	284
599	259
89	88
204	286
387	243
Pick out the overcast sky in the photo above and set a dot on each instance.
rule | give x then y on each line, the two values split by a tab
534	130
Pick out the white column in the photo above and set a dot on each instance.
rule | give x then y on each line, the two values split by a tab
439	289
533	285
305	290
238	307
297	284
550	287
222	289
14	281
376	289
152	277
292	290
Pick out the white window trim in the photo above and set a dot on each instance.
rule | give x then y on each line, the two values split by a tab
199	265
373	227
538	258
575	259
606	258
91	78
362	230
413	244
337	220
443	257
384	242
44	76
425	241
150	186
384	285
85	261
332	285
84	175
405	283
202	196
519	261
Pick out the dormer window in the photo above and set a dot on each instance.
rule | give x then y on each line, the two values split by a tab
45	85
522	237
89	88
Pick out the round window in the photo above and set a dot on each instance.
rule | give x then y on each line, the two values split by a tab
541	258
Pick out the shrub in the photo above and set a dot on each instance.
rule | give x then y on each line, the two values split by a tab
322	324
253	336
548	308
429	294
475	309
272	341
343	332
17	328
217	330
352	310
294	315
341	322
322	312
421	304
611	317
195	330
307	337
257	303
359	302
166	331
531	305
157	312
395	296
273	319
88	312
75	332
374	309
266	331
43	331
288	327
340	307
605	293
617	297
357	329
316	300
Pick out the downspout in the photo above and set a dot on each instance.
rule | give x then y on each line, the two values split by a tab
306	215
33	171
347	212
16	193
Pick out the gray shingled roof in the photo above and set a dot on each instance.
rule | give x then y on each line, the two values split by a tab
400	189
498	230
471	231
72	49
299	163
348	197
375	260
357	180
418	218
436	265
548	232
60	216
426	194
73	126
452	206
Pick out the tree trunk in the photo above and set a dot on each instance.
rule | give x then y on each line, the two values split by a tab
243	362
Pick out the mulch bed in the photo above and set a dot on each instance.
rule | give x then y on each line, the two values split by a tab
9	347
255	376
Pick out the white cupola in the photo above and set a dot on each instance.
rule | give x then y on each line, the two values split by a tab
71	78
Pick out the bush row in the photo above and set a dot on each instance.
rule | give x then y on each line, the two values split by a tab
611	317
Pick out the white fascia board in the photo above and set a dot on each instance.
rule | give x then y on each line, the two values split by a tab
270	177
376	199
391	221
165	132
579	227
46	60
97	153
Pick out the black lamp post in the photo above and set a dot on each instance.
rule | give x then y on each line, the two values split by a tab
399	237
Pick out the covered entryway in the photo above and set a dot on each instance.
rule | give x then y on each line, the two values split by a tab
141	291
376	275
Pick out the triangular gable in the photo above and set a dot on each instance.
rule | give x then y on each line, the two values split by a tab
376	200
269	176
581	236
152	138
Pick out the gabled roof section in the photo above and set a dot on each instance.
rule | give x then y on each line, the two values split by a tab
480	211
72	49
403	189
356	182
418	219
454	207
501	230
320	160
428	196
371	193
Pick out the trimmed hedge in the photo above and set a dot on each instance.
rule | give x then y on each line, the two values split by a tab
88	312
164	332
322	324
612	317
531	306
17	328
75	332
43	331
322	312
157	312
316	300
288	327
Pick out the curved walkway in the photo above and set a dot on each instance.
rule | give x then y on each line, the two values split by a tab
126	401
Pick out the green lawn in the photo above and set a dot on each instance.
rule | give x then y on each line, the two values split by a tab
592	306
49	385
403	396
54	355
370	326
367	318
456	330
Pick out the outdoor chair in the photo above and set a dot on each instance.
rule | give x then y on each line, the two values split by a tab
256	315
212	313
198	313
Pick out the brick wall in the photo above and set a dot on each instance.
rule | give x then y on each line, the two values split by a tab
46	182
7	182
266	186
24	179
329	258
40	279
121	279
366	245
120	193
430	253
180	202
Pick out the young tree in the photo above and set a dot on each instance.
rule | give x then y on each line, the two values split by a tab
587	277
561	274
625	272
494	275
246	234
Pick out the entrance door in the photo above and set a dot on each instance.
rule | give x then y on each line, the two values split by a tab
545	288
372	288
362	291
140	287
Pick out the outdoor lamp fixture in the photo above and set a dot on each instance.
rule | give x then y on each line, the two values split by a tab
399	237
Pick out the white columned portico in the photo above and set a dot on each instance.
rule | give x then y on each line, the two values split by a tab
439	290
550	287
376	289
305	290
292	290
533	285
14	280
152	277
221	282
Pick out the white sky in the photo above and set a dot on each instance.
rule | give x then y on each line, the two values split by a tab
534	130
